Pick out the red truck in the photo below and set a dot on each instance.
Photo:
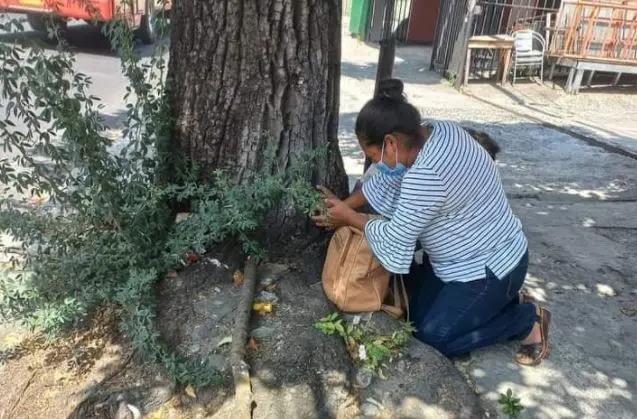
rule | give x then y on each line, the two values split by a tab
140	14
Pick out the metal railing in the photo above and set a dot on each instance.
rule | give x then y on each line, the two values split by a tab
450	20
502	17
602	31
489	17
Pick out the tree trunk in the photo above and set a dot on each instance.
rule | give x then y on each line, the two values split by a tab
248	75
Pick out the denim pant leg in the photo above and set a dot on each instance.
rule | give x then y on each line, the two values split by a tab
470	315
423	287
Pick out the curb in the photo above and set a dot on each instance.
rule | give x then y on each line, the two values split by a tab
607	145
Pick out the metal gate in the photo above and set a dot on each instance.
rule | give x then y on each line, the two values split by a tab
450	20
389	20
488	17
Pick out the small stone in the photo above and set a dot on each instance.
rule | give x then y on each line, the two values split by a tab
362	352
270	272
217	362
91	389
604	290
267	296
369	410
267	281
401	366
364	378
262	332
630	312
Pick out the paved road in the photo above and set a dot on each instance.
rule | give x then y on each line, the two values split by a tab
94	58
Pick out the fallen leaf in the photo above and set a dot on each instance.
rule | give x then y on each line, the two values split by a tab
272	287
190	391
36	201
214	262
630	312
182	216
134	410
262	308
12	339
170	275
252	344
11	266
224	341
176	402
156	415
238	278
191	258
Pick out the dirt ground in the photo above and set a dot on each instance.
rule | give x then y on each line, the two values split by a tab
577	204
49	379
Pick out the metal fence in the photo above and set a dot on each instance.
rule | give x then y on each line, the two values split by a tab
488	17
389	20
602	31
450	19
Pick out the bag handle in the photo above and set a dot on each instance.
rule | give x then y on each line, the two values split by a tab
395	310
348	243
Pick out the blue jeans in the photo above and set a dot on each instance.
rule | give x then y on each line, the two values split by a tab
458	317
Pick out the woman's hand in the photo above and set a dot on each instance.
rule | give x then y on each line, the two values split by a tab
336	214
326	192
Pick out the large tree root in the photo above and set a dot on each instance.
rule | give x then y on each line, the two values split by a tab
240	369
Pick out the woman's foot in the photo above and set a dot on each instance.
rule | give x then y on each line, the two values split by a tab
525	298
536	347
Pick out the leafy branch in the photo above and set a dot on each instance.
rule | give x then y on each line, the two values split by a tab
106	232
364	345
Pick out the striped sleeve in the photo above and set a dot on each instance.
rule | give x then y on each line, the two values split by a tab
393	242
382	193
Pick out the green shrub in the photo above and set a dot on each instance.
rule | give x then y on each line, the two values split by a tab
106	232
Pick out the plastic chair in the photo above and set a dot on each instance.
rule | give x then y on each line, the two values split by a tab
528	51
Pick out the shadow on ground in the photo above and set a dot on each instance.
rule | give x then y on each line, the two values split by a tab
576	203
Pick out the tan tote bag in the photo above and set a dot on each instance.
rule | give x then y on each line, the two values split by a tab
355	281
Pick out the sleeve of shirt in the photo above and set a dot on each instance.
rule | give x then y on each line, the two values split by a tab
382	193
393	242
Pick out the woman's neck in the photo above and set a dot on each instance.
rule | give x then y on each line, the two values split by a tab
413	153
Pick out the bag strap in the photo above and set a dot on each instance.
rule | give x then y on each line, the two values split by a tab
399	295
405	296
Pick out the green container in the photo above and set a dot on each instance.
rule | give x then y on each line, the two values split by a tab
359	20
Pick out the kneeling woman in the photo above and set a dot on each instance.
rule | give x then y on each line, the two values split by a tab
437	186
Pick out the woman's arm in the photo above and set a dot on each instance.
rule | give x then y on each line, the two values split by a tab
356	199
394	241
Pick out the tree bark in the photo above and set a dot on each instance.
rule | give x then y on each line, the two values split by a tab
248	75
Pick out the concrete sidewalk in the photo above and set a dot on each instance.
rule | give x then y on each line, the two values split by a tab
606	115
577	203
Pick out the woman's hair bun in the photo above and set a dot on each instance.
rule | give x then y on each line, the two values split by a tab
391	89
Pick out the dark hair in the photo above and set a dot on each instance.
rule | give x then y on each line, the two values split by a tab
389	112
485	141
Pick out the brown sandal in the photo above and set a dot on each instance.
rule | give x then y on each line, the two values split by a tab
533	354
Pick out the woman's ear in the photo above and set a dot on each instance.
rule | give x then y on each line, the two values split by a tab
391	141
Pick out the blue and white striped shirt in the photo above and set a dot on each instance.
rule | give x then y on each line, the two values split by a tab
451	200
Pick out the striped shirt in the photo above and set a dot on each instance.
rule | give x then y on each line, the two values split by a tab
452	201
